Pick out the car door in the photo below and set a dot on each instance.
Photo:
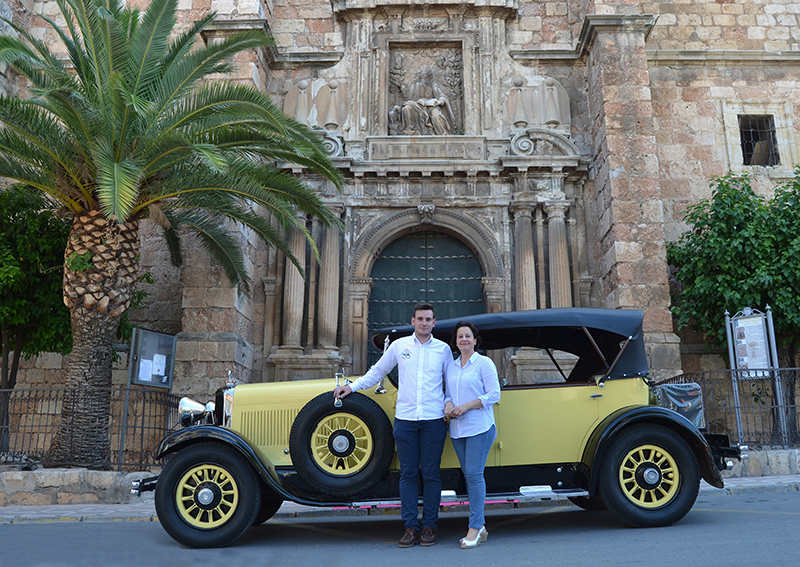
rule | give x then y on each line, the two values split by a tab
545	423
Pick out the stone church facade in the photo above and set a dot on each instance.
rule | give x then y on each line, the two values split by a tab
497	155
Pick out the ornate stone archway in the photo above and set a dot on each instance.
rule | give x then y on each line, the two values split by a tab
377	236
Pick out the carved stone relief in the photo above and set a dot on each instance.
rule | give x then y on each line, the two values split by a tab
426	89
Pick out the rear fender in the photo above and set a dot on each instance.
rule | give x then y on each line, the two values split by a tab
600	440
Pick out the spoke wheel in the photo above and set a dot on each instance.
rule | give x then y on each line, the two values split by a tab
342	444
649	476
208	495
341	452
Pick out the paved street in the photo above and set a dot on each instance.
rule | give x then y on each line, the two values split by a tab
752	522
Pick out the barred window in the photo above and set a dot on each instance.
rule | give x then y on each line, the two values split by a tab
759	144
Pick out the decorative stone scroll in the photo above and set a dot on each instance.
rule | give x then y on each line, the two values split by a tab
541	142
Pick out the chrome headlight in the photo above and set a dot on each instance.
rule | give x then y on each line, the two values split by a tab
192	412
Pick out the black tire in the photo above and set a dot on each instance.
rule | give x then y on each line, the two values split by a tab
268	509
649	477
343	451
212	471
589	503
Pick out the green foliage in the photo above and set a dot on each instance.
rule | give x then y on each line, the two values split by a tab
125	329
136	125
741	250
79	262
33	317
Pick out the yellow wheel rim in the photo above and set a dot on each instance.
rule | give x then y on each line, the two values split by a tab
207	496
341	444
649	476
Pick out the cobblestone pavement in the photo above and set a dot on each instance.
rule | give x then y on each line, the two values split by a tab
143	510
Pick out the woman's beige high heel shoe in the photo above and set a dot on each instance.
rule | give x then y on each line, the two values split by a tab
482	536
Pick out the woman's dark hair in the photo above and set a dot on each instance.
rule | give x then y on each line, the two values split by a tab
473	328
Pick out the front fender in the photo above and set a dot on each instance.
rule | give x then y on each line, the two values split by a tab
266	471
600	439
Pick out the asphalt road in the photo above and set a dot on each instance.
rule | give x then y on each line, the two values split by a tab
740	530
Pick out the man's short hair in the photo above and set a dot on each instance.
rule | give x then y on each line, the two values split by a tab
424	306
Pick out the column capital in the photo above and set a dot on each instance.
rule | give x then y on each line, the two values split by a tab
360	287
556	209
522	208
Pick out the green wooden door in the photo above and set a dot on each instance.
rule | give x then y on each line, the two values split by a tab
423	266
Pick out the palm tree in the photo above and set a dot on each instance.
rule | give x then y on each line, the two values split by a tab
134	127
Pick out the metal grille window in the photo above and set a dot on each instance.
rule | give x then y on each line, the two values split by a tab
759	145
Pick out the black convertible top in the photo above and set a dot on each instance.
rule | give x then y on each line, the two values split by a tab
599	337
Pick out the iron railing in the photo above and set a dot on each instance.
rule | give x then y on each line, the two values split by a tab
138	419
753	407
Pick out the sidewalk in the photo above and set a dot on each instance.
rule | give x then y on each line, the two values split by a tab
144	509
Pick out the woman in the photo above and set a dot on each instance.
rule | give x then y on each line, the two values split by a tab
472	388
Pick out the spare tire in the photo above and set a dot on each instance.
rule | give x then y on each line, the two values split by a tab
341	451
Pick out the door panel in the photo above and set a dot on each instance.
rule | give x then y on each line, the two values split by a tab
545	424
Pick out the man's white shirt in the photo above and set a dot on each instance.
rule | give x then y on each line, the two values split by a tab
421	368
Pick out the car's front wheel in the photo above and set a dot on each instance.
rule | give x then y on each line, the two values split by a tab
208	495
649	476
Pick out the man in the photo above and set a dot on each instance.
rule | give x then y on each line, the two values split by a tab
419	426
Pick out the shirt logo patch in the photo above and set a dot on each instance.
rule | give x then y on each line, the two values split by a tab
405	354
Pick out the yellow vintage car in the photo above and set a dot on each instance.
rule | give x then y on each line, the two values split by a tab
595	435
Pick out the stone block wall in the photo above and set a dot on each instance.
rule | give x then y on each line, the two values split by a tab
67	486
690	103
725	25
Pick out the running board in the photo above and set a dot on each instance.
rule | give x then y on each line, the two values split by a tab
525	494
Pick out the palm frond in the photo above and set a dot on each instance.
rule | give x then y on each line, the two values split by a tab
149	44
117	182
184	74
184	43
173	240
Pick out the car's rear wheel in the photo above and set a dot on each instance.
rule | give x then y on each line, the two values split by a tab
341	451
207	495
649	477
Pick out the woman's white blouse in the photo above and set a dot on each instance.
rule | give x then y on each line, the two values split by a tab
477	380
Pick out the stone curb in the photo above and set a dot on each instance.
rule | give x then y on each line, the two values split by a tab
143	511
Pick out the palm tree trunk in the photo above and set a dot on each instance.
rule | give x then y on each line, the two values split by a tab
100	265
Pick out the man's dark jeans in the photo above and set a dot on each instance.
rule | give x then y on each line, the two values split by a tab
419	449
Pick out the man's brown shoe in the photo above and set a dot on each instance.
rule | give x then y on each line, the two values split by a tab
428	537
409	538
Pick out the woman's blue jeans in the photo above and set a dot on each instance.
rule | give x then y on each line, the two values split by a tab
472	454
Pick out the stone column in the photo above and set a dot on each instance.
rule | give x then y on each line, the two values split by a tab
294	291
560	289
494	292
541	261
525	277
270	289
360	289
328	307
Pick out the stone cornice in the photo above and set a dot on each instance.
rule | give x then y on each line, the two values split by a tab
723	58
346	9
594	23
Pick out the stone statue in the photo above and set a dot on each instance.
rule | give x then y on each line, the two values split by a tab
426	112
